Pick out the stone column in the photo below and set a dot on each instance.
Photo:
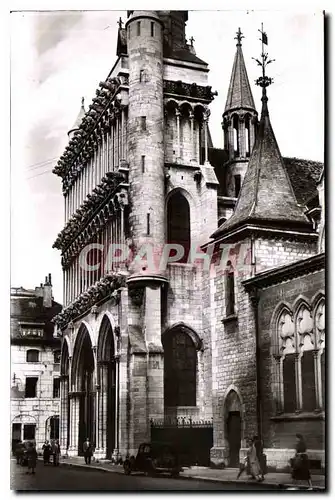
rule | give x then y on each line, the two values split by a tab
178	134
241	136
122	134
206	118
74	425
317	377
298	381
193	153
63	414
252	131
116	451
155	374
231	138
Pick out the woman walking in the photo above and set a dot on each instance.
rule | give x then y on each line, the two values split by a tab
46	452
300	465
32	458
255	468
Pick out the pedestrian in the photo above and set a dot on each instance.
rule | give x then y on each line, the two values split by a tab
46	452
245	466
19	452
255	469
260	455
87	448
55	452
32	457
299	463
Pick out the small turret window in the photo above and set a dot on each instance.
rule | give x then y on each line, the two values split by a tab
247	135
143	123
237	179
236	136
138	28
143	163
142	75
230	290
148	224
152	29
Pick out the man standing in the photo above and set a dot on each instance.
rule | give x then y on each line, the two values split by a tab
260	455
87	448
55	452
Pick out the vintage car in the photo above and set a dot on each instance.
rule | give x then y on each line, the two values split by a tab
153	458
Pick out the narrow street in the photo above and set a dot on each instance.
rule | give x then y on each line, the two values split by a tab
50	478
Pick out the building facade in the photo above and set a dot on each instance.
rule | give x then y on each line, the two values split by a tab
165	237
35	365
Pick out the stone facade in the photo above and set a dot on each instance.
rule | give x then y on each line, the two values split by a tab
35	354
144	342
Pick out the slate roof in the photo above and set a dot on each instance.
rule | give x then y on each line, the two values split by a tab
266	196
28	308
182	55
239	91
304	176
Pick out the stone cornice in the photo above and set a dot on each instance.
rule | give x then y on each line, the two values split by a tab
94	209
189	90
95	124
102	289
285	273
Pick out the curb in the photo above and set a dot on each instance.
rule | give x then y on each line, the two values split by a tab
277	486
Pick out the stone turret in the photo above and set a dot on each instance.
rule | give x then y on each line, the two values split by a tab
239	121
77	123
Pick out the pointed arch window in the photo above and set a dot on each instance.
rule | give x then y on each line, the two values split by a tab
230	290
178	223
180	368
247	136
236	136
298	349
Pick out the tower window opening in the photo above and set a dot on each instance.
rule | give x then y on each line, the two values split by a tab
142	76
237	180
143	123
247	136
143	163
148	224
236	137
152	29
138	28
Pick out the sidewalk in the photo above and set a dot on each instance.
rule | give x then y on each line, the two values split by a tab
273	479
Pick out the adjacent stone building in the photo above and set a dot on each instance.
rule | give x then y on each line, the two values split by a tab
35	365
193	276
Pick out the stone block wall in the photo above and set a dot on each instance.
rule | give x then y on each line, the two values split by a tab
279	430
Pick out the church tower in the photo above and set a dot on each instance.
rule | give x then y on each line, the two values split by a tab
239	122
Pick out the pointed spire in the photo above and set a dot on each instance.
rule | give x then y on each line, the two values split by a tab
266	197
79	118
239	92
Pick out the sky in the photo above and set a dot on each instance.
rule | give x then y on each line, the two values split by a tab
59	57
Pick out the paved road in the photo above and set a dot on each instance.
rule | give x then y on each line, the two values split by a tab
49	478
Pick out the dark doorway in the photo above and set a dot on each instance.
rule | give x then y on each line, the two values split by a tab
234	437
16	435
87	396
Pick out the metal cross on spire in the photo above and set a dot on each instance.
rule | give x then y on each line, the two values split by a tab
238	37
192	40
120	23
264	81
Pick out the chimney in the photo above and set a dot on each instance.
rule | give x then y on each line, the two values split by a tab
47	292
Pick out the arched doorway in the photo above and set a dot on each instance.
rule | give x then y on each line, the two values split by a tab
233	427
178	223
107	365
83	370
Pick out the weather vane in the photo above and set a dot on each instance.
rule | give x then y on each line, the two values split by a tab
238	37
192	40
264	81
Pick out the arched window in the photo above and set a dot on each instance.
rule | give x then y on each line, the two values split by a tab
32	356
178	222
180	367
247	135
230	290
236	136
299	359
307	345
